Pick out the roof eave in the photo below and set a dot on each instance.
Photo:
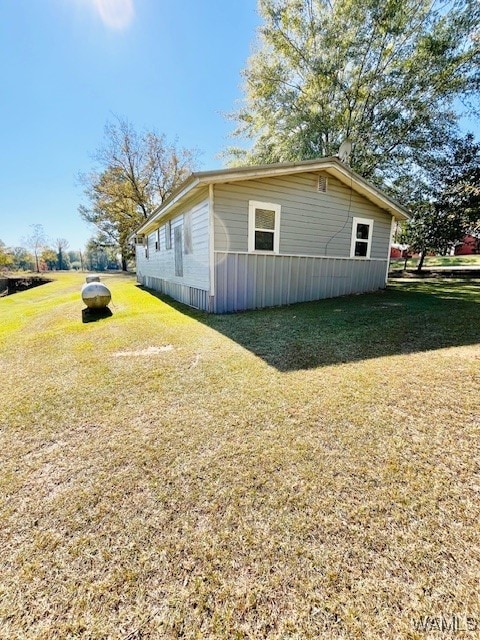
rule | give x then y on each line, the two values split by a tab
188	185
331	165
347	176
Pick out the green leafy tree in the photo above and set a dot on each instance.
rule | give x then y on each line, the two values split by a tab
6	259
384	73
76	259
136	173
101	255
448	208
49	259
23	260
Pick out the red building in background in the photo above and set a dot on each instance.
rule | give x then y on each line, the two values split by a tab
469	246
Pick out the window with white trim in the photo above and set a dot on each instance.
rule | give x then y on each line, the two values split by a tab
263	226
157	240
362	230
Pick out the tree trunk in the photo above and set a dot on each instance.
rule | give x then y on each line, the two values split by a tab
124	263
422	258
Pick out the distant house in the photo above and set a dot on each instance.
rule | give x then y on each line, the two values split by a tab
398	250
269	235
470	245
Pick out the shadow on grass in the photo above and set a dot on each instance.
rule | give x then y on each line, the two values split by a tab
94	315
408	317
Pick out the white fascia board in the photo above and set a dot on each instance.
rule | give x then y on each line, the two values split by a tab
370	192
331	166
164	208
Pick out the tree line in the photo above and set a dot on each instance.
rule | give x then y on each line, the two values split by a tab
38	253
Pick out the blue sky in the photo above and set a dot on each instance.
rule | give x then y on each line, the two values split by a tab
67	66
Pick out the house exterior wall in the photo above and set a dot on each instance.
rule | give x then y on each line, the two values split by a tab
311	223
250	281
314	250
158	270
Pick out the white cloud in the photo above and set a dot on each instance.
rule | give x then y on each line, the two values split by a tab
115	14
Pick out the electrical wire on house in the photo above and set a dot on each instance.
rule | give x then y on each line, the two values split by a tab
346	219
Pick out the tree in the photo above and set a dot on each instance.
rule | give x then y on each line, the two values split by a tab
449	206
384	73
37	241
76	260
63	261
100	255
22	259
48	259
136	173
5	256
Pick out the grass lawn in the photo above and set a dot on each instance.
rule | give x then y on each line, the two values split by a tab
437	261
298	473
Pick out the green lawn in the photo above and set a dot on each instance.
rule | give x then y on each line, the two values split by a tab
437	261
298	473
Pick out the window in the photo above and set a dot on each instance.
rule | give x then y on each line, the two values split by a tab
168	235
187	232
361	238
263	226
157	241
145	242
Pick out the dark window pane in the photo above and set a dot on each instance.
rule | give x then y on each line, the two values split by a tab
263	241
363	231
361	249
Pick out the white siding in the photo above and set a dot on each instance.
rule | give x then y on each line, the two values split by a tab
161	264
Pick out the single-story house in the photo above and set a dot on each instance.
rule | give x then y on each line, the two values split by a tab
262	236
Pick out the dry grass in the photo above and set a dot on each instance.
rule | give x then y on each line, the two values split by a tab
300	473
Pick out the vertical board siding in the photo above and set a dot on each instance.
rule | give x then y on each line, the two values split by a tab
251	281
197	298
311	223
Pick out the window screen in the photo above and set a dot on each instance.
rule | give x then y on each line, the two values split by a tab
264	219
263	226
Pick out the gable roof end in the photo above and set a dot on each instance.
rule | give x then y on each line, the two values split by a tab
332	166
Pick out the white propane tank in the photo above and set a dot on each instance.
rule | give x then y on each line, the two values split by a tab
96	295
